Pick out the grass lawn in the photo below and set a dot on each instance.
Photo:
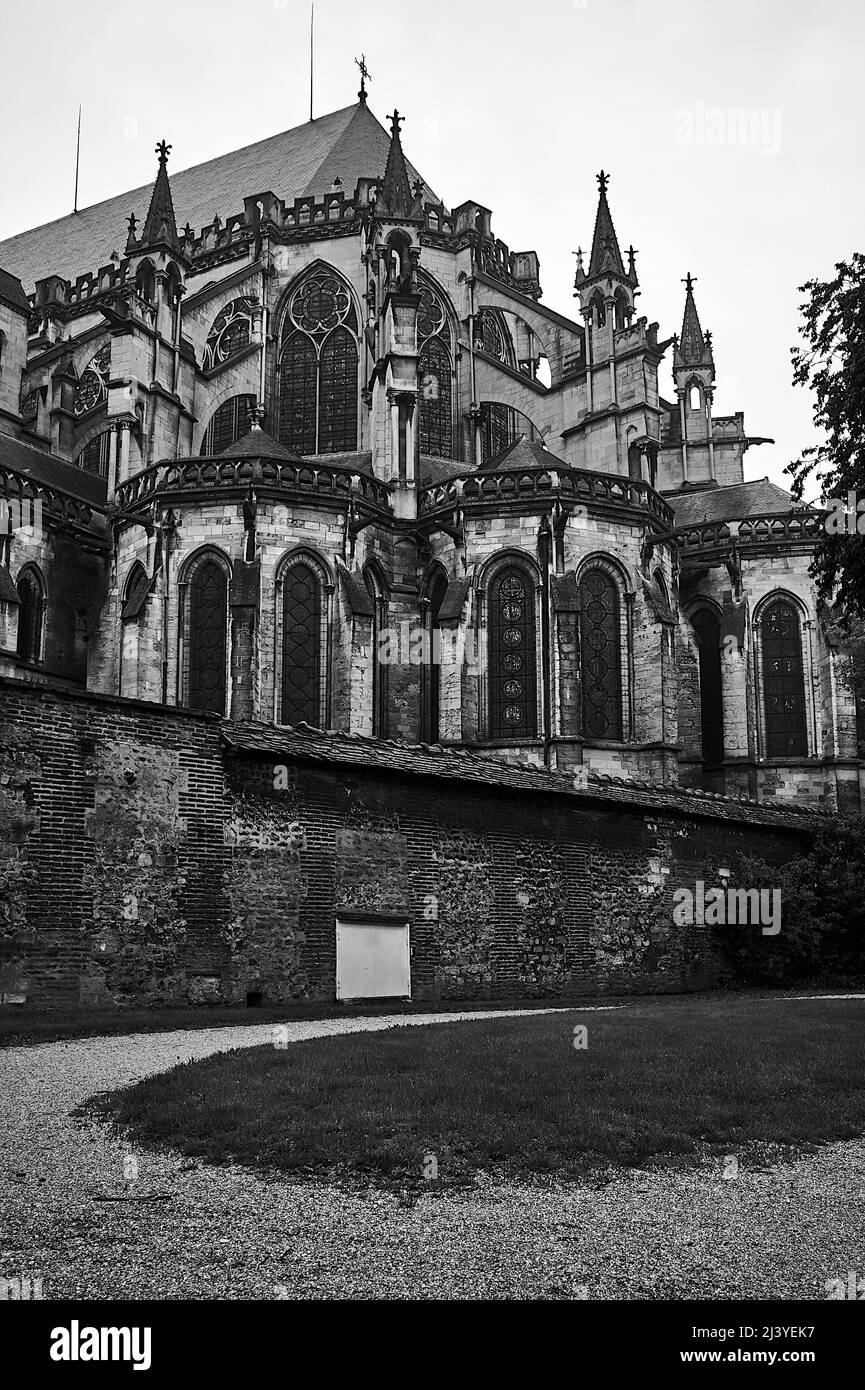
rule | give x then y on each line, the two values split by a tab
514	1098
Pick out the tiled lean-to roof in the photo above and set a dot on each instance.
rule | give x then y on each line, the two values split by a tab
736	502
305	744
305	160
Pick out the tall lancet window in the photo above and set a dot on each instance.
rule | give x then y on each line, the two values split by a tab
708	630
303	644
600	646
318	368
206	633
513	696
435	382
783	682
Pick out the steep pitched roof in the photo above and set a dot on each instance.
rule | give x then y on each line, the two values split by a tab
523	453
734	503
299	162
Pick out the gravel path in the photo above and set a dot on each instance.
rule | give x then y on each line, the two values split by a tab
192	1231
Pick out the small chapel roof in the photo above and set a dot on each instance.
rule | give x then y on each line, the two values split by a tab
300	162
523	453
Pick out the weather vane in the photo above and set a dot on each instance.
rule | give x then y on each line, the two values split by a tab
364	74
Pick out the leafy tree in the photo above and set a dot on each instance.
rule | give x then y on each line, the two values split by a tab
831	362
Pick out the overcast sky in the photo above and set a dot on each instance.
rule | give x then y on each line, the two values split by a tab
516	105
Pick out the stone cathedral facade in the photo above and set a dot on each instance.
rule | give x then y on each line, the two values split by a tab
287	439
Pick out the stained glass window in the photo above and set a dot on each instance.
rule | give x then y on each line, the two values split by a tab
92	387
600	645
492	336
29	406
435	386
230	333
229	423
94	456
436	400
708	630
301	646
783	682
498	429
208	617
318	369
31	593
513	700
337	431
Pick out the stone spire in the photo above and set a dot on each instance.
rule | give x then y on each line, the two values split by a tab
160	227
694	347
606	258
395	196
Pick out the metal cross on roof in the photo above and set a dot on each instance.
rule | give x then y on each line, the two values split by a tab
689	280
163	151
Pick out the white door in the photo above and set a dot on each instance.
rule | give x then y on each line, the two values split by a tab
372	960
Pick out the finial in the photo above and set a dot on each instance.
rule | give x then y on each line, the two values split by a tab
132	223
396	121
417	188
364	74
631	255
163	151
689	281
603	180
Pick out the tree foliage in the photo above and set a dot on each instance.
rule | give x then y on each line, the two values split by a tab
830	361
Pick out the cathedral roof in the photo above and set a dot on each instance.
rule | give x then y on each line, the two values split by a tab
736	502
303	161
257	443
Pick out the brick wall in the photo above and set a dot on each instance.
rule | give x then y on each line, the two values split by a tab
139	862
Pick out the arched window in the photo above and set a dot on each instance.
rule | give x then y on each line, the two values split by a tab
501	426
432	688
92	387
513	696
600	647
318	368
783	682
31	592
228	424
708	631
434	375
378	594
493	337
135	593
694	402
206	631
599	310
230	332
303	627
29	404
145	281
94	456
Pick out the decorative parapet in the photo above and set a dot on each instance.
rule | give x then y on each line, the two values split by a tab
705	539
294	478
574	486
27	498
